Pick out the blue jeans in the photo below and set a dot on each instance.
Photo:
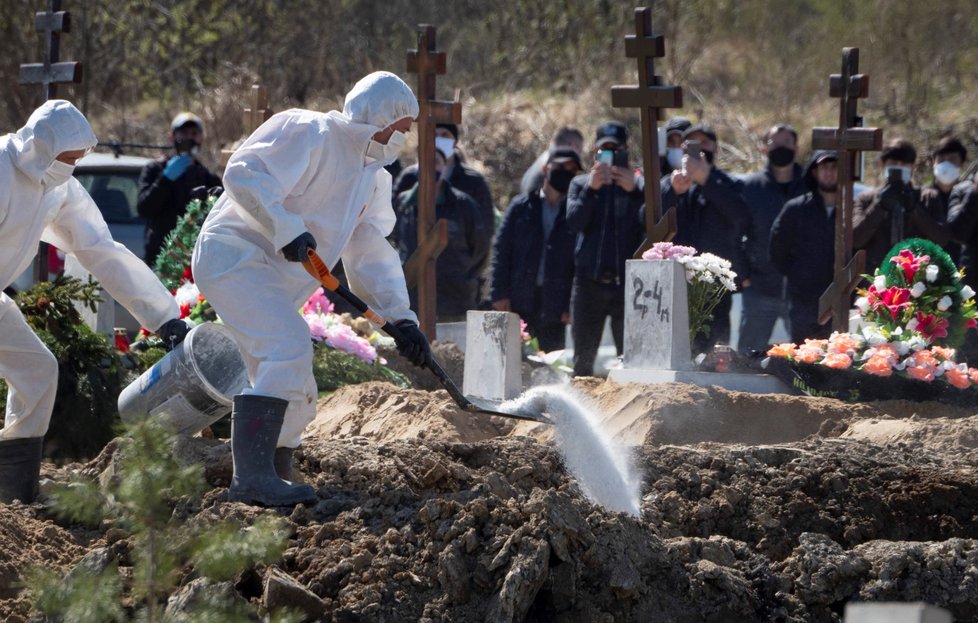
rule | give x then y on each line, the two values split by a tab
760	313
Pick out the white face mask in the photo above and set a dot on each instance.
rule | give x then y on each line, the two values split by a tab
946	172
386	154
445	145
674	156
57	174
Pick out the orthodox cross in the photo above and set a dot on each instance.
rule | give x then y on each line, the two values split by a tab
257	114
49	74
432	237
848	139
650	96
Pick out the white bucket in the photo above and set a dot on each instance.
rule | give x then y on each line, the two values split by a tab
191	387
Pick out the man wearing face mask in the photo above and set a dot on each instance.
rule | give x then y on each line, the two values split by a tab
40	200
303	180
459	265
672	159
765	193
565	136
533	256
458	173
895	211
947	161
711	216
165	184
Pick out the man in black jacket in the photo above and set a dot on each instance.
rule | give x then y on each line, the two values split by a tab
803	245
166	183
765	193
533	256
711	216
603	208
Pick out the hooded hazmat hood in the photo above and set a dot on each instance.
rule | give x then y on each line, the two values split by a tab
56	127
379	99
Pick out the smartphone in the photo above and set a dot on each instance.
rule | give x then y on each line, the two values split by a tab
693	149
606	156
620	158
895	176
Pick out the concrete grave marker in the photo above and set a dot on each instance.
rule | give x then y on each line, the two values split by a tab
656	315
877	612
492	355
102	320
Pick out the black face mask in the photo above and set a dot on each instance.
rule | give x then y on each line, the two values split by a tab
709	156
781	156
186	146
560	179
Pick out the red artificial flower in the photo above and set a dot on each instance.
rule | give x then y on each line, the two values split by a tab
188	274
122	342
971	323
893	298
185	310
930	326
909	263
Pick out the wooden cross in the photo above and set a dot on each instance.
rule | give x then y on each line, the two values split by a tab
650	96
432	237
49	74
257	114
847	140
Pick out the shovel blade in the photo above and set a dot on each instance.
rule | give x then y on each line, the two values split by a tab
479	405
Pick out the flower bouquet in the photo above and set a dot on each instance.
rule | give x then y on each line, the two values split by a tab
708	279
913	316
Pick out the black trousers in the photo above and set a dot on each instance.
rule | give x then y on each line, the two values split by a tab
591	303
551	334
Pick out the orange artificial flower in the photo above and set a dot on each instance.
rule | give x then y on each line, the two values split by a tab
786	350
807	354
947	354
973	375
921	373
842	343
958	378
820	344
878	365
837	361
925	358
888	351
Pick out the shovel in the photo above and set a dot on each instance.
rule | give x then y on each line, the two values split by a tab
316	267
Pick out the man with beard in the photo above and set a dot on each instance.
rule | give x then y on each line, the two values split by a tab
765	193
803	245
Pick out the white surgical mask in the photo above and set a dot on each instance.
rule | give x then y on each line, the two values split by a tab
674	156
946	172
445	145
386	154
57	174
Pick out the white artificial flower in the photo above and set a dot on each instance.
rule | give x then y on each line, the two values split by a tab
912	324
945	303
917	289
187	294
967	293
862	303
917	343
880	282
932	272
902	348
898	331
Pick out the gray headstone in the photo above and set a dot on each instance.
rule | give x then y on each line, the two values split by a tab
102	320
492	355
871	612
656	315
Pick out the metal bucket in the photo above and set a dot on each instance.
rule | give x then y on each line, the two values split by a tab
191	387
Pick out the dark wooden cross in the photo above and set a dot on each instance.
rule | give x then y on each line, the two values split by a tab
848	139
650	96
49	75
432	237
257	114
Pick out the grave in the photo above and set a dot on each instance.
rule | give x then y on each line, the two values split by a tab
657	334
895	613
496	372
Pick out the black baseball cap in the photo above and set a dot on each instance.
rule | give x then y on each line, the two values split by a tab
565	154
677	125
700	128
611	132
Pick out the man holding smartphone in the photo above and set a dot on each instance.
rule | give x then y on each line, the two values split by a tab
604	208
885	216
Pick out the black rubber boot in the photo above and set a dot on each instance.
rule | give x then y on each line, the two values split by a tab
255	424
283	463
20	469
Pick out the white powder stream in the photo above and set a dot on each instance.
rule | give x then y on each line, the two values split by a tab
602	468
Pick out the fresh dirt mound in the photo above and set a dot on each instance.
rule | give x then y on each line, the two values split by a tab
428	513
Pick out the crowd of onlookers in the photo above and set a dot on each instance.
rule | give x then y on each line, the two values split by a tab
556	255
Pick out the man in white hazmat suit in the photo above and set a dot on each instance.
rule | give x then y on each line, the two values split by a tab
302	180
40	200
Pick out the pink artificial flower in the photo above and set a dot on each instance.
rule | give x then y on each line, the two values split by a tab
893	299
524	334
878	365
930	326
344	338
921	373
317	325
909	263
808	354
318	303
958	377
667	251
838	361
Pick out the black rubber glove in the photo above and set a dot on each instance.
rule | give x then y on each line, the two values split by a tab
413	345
172	333
298	249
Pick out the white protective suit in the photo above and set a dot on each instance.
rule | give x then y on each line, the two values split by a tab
303	171
33	208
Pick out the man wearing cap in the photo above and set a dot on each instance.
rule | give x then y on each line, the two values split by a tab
457	172
165	184
565	136
803	245
533	256
710	215
672	158
766	192
459	265
603	208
